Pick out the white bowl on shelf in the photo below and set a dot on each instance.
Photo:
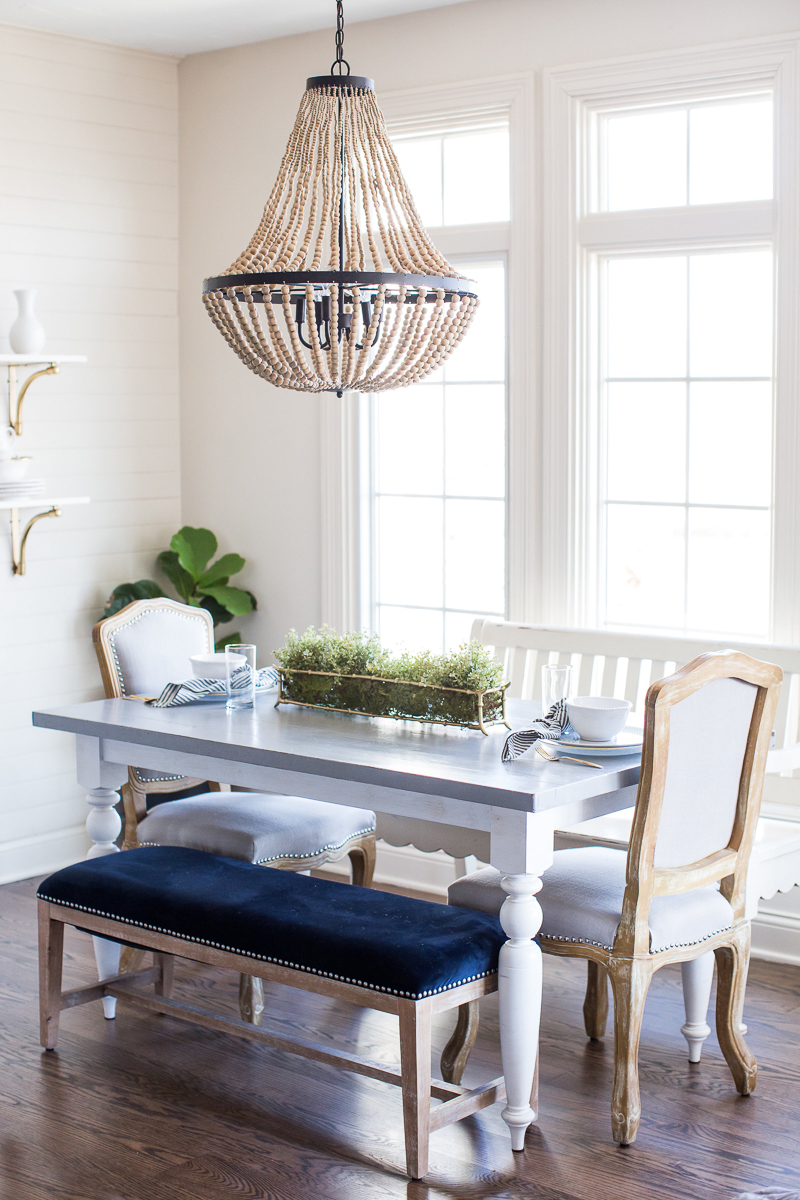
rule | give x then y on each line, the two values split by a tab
212	666
12	470
597	718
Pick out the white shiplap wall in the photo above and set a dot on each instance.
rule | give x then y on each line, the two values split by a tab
88	215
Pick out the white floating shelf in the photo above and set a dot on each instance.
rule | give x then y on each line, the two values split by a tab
41	502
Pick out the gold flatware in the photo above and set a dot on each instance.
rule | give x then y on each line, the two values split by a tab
565	758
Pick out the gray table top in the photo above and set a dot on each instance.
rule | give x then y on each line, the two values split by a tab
435	760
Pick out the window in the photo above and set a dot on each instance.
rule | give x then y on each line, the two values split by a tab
434	454
682	394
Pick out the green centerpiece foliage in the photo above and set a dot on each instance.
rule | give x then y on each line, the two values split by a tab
186	565
355	673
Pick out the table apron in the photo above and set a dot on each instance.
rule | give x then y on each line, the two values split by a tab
103	762
445	809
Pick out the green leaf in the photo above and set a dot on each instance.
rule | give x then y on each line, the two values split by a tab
233	639
127	593
181	580
194	548
222	569
219	615
236	600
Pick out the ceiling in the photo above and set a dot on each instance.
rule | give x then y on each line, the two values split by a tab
190	26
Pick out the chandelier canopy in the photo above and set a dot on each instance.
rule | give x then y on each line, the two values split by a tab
340	287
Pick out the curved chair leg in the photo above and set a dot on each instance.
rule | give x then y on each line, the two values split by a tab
732	963
251	999
630	979
458	1049
595	1004
362	862
697	975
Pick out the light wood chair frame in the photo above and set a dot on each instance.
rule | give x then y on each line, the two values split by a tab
414	1076
360	850
630	964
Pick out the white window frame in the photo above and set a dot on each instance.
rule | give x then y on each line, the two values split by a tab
572	236
420	110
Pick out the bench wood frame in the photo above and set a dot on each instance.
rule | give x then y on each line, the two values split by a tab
414	1075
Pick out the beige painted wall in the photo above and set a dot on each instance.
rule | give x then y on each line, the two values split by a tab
88	215
251	453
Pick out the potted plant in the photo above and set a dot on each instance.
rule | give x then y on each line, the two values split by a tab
198	581
353	672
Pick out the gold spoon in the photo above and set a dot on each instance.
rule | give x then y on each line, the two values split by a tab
565	758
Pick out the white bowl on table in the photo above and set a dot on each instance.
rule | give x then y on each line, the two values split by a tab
212	666
597	718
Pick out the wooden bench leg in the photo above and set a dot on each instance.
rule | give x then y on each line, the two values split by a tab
166	965
51	957
415	1067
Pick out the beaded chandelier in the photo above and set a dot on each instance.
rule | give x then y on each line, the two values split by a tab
340	287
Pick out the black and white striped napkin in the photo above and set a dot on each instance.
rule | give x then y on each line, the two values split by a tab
192	690
550	728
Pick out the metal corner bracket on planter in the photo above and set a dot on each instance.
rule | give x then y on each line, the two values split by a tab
399	699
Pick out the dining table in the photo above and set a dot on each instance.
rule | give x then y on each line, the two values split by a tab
427	772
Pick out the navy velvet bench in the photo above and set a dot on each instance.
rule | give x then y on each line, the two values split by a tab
374	949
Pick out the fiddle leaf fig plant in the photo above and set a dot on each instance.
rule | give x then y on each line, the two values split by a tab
198	581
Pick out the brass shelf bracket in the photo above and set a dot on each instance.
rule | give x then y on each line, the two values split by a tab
18	543
16	394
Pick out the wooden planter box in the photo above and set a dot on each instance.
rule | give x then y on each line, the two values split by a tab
395	698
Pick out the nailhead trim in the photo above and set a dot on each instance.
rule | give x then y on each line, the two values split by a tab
112	639
551	937
259	862
372	987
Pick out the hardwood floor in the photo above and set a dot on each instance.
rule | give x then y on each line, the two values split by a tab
146	1108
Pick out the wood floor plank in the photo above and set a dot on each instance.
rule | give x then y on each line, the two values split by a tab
147	1108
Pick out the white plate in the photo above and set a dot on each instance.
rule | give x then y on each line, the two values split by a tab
627	742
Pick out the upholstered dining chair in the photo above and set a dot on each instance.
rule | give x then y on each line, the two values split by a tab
678	891
147	645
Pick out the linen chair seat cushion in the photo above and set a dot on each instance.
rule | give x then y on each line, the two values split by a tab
256	827
377	940
581	901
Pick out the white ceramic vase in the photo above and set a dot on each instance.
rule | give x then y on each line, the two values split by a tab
26	335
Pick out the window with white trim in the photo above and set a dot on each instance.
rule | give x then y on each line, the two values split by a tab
678	358
433	510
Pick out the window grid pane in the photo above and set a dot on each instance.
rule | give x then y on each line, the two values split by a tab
685	501
714	151
438	492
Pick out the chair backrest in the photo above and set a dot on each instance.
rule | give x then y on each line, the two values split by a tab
607	663
141	648
706	737
148	644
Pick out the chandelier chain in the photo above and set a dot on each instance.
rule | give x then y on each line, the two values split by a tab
340	61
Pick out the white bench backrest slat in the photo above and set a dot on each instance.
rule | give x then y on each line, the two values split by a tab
609	663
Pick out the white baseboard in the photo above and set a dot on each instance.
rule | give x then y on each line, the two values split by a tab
776	937
25	858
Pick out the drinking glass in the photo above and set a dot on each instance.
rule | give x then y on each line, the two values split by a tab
556	685
240	674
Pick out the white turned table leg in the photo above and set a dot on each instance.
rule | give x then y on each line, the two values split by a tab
103	826
697	975
520	989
